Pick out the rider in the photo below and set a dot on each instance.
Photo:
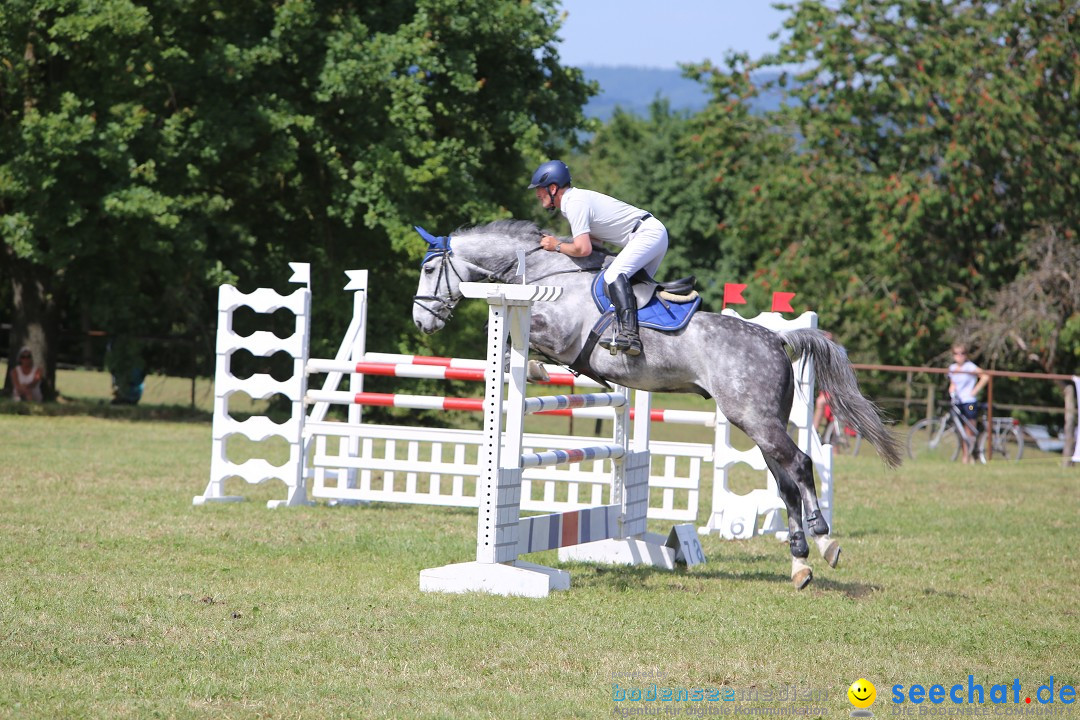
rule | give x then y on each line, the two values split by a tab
593	217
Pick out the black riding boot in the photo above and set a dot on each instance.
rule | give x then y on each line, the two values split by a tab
625	304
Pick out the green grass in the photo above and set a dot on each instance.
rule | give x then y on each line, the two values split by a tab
89	392
121	600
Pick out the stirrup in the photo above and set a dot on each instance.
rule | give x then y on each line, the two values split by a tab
629	344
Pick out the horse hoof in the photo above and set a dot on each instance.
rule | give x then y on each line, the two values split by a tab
832	554
536	372
802	578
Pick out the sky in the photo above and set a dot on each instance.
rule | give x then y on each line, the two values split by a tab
661	34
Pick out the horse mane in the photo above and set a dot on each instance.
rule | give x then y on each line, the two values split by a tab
518	229
527	232
522	231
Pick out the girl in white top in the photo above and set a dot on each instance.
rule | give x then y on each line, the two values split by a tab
965	382
595	217
26	378
966	379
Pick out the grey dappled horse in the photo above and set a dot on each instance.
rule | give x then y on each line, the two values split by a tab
742	366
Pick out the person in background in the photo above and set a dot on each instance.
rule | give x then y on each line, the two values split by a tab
822	412
595	217
966	380
123	360
26	378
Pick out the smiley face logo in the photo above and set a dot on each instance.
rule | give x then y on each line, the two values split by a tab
862	693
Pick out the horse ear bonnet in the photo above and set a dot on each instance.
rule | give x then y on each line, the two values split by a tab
436	245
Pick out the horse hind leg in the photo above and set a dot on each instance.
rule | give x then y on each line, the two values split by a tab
815	521
801	572
799	484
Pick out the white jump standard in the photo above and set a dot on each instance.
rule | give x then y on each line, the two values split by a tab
502	535
260	386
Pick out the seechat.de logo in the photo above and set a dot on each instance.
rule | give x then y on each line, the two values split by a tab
862	695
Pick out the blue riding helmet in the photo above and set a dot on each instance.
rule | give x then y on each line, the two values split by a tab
553	172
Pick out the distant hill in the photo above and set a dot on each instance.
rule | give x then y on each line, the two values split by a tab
634	88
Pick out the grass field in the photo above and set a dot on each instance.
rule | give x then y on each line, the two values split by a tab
121	600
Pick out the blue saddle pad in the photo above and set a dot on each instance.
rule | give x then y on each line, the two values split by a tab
655	315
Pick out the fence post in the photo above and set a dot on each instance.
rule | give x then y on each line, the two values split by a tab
907	399
1072	400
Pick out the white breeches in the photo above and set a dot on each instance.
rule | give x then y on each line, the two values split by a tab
644	250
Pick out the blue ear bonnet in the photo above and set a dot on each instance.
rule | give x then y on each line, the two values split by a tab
436	245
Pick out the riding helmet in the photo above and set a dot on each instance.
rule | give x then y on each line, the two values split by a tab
551	172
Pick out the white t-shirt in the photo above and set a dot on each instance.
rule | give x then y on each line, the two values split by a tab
602	216
964	380
26	379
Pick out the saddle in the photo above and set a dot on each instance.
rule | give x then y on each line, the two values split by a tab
646	287
664	306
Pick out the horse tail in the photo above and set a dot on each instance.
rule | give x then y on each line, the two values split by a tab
835	376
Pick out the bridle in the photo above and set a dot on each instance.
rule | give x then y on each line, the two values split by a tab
446	304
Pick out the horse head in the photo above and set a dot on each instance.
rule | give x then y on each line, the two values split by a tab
484	253
440	277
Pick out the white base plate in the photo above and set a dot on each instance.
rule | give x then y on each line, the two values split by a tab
649	549
520	578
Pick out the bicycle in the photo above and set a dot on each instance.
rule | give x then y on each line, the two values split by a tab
1007	440
931	437
844	440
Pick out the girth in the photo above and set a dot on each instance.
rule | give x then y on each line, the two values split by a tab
581	364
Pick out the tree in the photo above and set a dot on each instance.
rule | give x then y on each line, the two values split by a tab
148	153
693	172
921	166
951	127
1035	319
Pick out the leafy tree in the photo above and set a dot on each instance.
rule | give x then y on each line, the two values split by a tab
150	152
895	191
950	129
1035	319
747	167
910	189
694	172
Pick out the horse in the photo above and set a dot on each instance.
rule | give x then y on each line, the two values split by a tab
743	367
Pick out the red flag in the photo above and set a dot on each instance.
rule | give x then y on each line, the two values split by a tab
781	302
733	294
